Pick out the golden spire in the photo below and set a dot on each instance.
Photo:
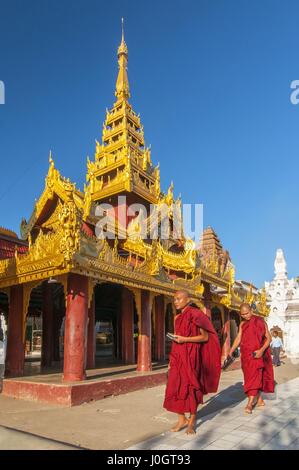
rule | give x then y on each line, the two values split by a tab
123	44
51	161
122	162
122	84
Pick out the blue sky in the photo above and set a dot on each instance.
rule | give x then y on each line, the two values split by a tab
211	80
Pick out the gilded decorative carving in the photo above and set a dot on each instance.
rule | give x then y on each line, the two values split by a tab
53	221
91	285
226	300
237	300
46	244
153	263
27	266
7	267
69	219
200	289
249	297
261	303
87	201
156	255
54	183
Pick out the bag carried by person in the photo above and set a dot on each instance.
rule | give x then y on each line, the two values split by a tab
228	361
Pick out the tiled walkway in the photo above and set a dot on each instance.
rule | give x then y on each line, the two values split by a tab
274	427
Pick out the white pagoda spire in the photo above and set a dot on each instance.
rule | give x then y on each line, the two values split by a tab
280	266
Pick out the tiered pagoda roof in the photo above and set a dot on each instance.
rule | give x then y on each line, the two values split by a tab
61	234
122	161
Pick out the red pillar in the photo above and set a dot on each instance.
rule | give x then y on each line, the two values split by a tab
91	344
159	328
75	328
15	355
226	335
127	326
144	360
48	327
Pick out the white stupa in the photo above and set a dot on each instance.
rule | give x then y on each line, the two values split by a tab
283	295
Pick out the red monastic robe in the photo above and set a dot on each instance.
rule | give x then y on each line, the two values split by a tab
258	373
194	368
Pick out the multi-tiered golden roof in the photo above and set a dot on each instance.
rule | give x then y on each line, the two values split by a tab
61	230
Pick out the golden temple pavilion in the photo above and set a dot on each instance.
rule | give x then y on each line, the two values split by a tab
111	296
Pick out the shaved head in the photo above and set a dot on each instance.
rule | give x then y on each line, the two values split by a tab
245	305
181	299
245	311
183	292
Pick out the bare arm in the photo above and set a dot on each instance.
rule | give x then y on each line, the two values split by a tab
202	338
266	344
237	341
268	339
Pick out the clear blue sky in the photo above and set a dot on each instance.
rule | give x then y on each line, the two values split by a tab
211	79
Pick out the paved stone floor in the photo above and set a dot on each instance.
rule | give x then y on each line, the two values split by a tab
274	427
123	421
11	439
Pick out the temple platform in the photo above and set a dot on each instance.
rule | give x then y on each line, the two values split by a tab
107	379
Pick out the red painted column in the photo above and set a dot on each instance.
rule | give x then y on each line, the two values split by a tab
48	327
226	335
144	360
159	328
127	326
15	354
91	344
75	328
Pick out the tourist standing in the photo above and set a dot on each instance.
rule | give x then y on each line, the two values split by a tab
276	346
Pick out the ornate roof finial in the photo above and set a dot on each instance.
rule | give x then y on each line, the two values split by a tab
123	47
122	29
122	84
169	196
51	161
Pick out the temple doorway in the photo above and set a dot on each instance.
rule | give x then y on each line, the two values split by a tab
44	329
113	327
107	328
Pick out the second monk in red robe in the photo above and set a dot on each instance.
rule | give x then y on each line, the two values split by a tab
254	340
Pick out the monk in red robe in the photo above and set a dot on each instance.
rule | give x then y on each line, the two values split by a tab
194	366
254	340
